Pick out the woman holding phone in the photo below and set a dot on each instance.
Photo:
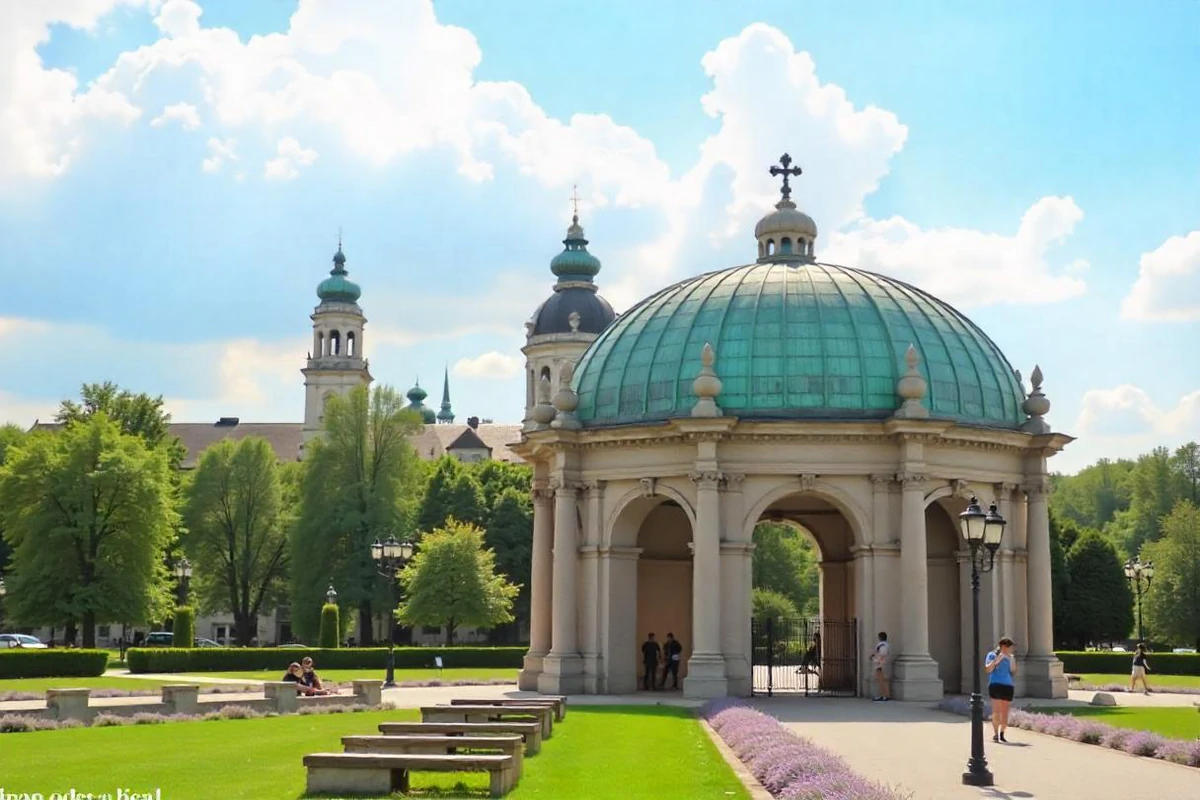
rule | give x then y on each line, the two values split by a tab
1000	667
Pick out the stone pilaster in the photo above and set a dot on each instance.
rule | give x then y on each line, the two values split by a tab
736	580
706	667
540	588
589	562
562	668
915	673
1043	671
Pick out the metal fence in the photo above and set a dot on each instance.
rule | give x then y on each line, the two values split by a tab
804	656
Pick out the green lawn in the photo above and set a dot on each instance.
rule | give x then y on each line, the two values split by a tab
1155	681
598	753
345	675
1174	723
40	685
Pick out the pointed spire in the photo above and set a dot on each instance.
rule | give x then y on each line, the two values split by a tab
446	413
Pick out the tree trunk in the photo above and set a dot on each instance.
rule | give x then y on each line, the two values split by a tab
450	634
245	626
89	629
366	626
69	633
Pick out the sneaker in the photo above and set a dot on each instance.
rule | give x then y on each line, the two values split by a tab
996	738
1002	737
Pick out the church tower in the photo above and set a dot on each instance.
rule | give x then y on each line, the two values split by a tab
445	414
570	320
336	364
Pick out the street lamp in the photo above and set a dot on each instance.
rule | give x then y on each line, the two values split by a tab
390	556
1139	574
183	571
983	533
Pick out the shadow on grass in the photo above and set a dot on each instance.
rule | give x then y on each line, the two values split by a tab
632	710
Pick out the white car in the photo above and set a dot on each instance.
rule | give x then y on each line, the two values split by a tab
21	640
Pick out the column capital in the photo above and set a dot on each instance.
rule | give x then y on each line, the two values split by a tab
562	486
911	479
1039	485
733	481
706	479
882	481
1004	490
542	494
593	488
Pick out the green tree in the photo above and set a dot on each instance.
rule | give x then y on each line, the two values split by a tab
776	606
510	536
1099	607
10	435
784	561
237	531
1095	495
1186	463
359	485
1173	606
1060	577
496	476
1156	486
452	581
136	413
331	626
452	492
183	627
89	514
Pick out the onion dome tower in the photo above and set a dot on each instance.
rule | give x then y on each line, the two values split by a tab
416	402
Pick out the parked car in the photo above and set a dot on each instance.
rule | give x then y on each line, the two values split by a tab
21	640
1184	650
199	642
294	646
160	639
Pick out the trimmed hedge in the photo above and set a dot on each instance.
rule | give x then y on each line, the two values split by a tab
184	627
52	663
331	625
1106	662
249	659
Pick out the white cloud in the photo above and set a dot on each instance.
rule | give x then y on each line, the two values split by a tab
290	157
43	114
184	113
219	152
1167	288
489	365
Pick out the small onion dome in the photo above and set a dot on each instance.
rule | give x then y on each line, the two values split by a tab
337	287
416	402
575	263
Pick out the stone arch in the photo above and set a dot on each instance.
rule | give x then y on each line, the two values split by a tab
854	513
618	524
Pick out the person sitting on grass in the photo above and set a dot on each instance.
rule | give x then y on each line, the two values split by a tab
1140	667
311	679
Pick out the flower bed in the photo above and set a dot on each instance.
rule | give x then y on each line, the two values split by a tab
18	723
1089	731
789	766
1084	686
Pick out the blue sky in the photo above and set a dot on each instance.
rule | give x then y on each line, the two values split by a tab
1039	167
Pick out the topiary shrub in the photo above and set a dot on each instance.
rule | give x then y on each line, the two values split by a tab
184	627
54	663
330	626
1106	662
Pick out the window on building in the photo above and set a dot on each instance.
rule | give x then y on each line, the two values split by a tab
431	630
103	631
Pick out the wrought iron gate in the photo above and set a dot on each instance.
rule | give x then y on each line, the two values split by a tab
804	656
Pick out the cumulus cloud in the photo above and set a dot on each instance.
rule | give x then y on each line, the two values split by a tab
290	156
219	152
1167	288
1128	411
184	113
489	365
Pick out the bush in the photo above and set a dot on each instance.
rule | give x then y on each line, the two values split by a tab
53	663
1105	662
184	627
330	626
248	659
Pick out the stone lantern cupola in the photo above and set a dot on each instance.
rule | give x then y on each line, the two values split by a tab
786	234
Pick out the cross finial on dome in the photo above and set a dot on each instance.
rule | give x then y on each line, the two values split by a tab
786	171
575	203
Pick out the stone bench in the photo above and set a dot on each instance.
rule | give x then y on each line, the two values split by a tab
543	714
559	704
531	732
440	743
382	774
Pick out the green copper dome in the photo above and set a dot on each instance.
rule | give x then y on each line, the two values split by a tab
794	341
416	402
337	287
575	263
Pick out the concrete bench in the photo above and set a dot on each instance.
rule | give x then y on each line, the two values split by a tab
559	704
382	774
543	714
531	732
440	743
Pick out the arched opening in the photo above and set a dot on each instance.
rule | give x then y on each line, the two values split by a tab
762	250
803	552
351	345
546	374
335	343
770	247
946	613
785	246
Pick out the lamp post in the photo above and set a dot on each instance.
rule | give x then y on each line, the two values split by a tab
390	556
983	533
3	590
183	571
1139	575
331	595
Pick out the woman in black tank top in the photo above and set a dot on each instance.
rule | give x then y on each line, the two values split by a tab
1140	666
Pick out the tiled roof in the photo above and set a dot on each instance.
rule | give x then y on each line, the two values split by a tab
286	438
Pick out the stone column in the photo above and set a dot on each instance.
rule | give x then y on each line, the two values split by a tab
706	667
1043	671
736	578
618	620
562	668
541	581
915	672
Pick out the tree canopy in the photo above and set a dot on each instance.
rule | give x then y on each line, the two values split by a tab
784	561
1173	606
237	527
454	492
136	413
1098	603
452	581
89	513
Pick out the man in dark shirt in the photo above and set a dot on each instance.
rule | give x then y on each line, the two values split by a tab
672	652
650	651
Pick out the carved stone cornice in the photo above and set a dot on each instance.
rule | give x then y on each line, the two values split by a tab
882	481
706	436
1036	486
593	489
1004	490
733	481
562	486
706	479
911	480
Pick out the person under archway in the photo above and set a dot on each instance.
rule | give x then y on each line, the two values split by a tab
672	653
879	661
650	654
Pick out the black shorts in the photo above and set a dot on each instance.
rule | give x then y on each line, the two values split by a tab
1000	691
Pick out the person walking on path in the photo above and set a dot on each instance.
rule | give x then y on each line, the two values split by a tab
650	652
879	661
1000	666
1140	667
672	652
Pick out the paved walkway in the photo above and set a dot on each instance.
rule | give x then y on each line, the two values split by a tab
925	751
1083	698
169	677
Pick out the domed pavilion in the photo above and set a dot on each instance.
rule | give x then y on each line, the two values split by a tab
851	405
